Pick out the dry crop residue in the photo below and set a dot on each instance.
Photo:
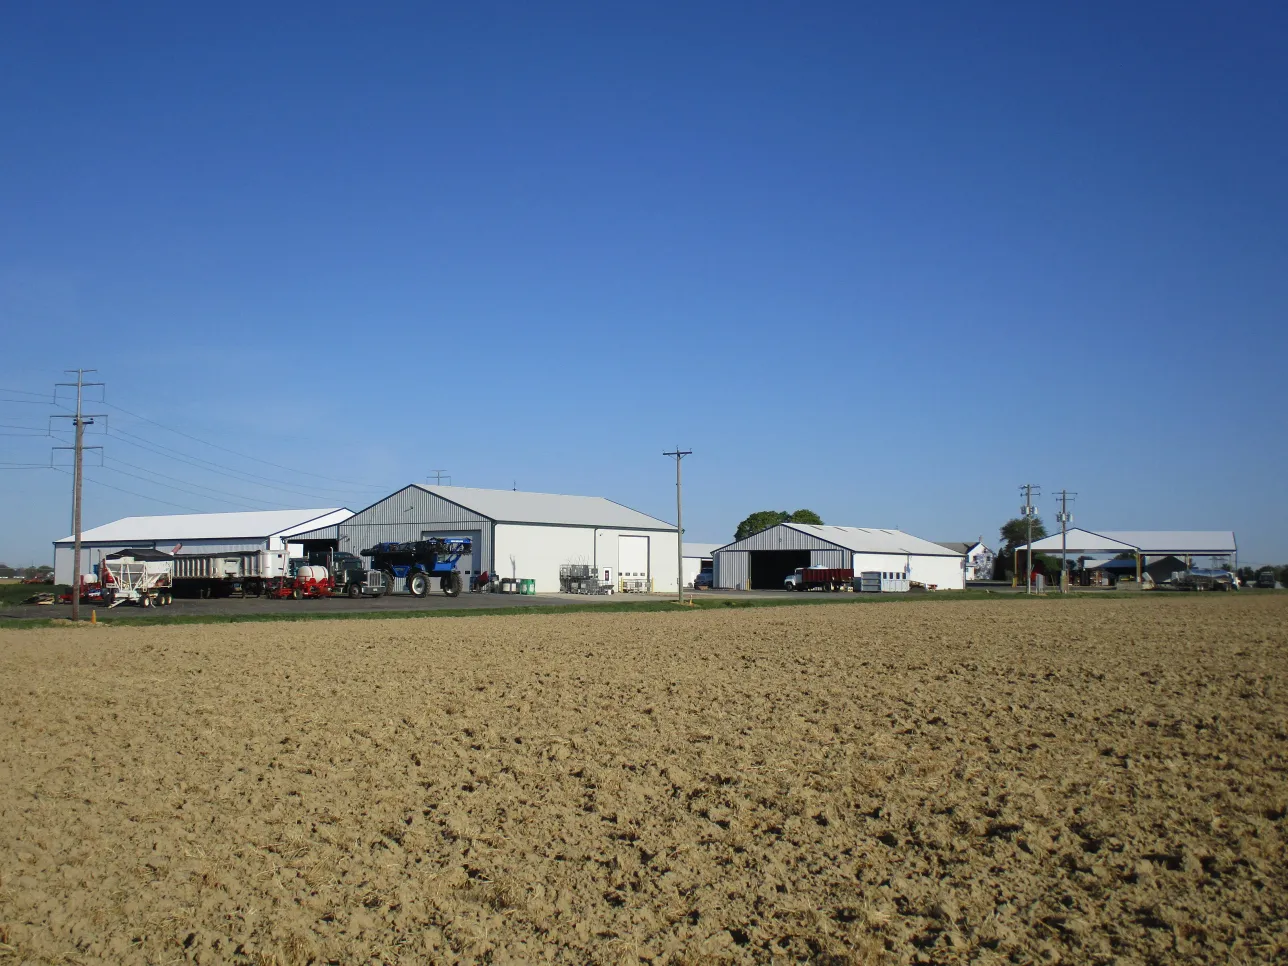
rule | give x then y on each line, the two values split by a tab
1028	781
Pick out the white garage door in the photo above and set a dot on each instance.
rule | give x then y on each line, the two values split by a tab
632	558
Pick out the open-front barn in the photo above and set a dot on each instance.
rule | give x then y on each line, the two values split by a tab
762	560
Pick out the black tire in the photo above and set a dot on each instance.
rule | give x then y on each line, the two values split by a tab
390	583
354	591
451	584
252	589
297	594
418	584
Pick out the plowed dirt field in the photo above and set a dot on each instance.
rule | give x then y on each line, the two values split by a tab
1021	781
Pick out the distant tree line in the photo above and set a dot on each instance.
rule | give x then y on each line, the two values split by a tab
41	571
33	571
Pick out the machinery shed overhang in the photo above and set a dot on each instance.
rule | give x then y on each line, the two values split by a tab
1152	543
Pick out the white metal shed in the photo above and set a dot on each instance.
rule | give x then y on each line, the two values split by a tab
520	534
764	559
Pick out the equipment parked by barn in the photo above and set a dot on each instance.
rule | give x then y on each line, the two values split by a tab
350	576
244	572
585	579
1266	578
416	563
1199	578
141	577
819	578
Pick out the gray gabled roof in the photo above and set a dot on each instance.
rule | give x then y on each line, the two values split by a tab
864	540
248	524
856	539
517	506
960	546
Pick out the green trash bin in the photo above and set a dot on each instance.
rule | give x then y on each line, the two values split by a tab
527	587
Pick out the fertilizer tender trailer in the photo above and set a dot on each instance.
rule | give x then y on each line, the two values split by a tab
416	563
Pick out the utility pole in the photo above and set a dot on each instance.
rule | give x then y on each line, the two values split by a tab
1065	518
679	454
1029	511
79	420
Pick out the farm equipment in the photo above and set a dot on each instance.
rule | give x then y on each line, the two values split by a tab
416	563
1198	578
819	578
141	577
91	592
329	574
246	572
585	579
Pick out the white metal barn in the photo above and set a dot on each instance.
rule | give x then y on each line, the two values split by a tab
764	559
192	533
697	557
519	534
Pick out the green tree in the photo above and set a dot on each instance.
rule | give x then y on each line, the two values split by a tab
764	519
1015	533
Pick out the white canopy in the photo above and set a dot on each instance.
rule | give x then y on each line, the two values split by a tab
1192	543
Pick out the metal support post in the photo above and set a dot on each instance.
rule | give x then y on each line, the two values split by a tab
80	419
679	454
1029	511
1065	517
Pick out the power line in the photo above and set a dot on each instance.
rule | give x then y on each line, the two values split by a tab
199	486
203	442
171	486
269	504
208	467
141	496
160	449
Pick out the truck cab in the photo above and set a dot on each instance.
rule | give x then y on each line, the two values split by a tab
795	580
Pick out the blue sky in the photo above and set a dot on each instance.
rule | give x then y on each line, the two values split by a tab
885	262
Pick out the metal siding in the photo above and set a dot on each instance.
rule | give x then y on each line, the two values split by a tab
781	538
731	568
405	515
829	558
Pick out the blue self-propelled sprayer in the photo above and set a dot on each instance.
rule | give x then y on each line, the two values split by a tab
415	564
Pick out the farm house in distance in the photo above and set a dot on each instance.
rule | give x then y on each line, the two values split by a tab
979	559
763	560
